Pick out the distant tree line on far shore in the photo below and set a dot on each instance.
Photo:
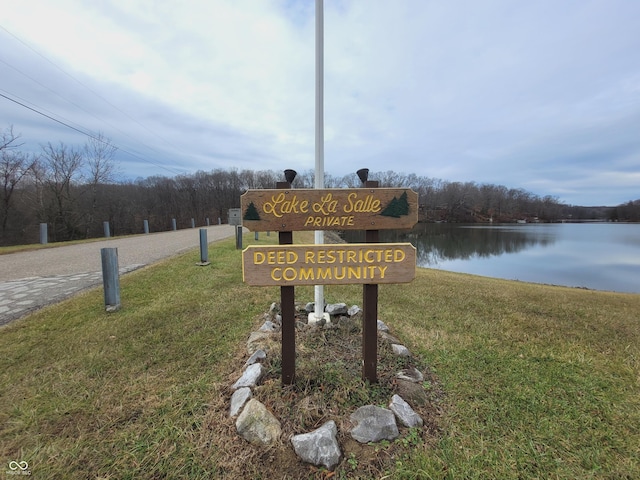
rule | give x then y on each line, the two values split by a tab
74	190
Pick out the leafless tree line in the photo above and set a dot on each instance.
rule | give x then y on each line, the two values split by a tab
74	190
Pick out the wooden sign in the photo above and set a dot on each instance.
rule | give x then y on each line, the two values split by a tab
337	264
329	209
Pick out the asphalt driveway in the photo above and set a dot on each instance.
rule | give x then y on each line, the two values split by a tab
30	280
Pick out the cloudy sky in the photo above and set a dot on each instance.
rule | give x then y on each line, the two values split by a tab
542	95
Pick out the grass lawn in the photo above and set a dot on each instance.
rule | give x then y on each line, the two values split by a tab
534	381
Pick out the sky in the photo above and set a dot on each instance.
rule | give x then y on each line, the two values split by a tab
540	95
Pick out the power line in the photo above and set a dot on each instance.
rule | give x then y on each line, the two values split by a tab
88	88
88	134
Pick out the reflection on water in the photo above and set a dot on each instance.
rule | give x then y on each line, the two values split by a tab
604	256
438	242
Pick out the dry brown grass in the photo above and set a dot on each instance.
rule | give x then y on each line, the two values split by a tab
328	386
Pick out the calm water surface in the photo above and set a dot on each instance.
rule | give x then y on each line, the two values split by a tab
601	256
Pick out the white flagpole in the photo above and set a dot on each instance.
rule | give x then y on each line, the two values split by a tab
319	173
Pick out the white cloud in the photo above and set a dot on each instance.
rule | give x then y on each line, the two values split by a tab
496	92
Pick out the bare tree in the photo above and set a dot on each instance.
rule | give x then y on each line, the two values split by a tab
14	166
63	171
98	157
99	153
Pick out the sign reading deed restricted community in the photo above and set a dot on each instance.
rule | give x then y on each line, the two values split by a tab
358	263
329	209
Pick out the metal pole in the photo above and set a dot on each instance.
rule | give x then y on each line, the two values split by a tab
110	278
44	236
238	237
174	225
204	247
319	172
146	226
107	232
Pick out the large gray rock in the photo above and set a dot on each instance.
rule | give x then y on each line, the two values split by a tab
269	326
407	416
249	377
412	374
319	447
387	337
382	327
400	350
257	356
373	424
336	309
412	392
257	425
238	399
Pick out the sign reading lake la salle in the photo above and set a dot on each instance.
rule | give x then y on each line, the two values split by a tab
329	209
340	264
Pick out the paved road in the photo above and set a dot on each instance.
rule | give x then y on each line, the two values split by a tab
30	280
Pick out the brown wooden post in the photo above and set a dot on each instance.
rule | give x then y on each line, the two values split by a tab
287	304
370	317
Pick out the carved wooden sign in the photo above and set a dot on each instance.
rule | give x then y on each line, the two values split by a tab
340	264
329	209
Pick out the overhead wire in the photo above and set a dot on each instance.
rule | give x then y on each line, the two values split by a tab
174	171
87	133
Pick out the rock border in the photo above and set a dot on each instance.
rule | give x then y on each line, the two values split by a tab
320	447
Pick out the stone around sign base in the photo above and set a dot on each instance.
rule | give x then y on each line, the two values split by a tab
411	374
269	326
336	309
382	327
400	350
238	399
257	425
413	392
257	356
249	377
319	447
387	337
274	308
353	310
407	416
373	424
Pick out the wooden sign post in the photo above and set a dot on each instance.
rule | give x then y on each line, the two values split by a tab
370	209
288	310
370	313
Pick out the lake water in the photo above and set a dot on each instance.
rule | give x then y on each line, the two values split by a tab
600	256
